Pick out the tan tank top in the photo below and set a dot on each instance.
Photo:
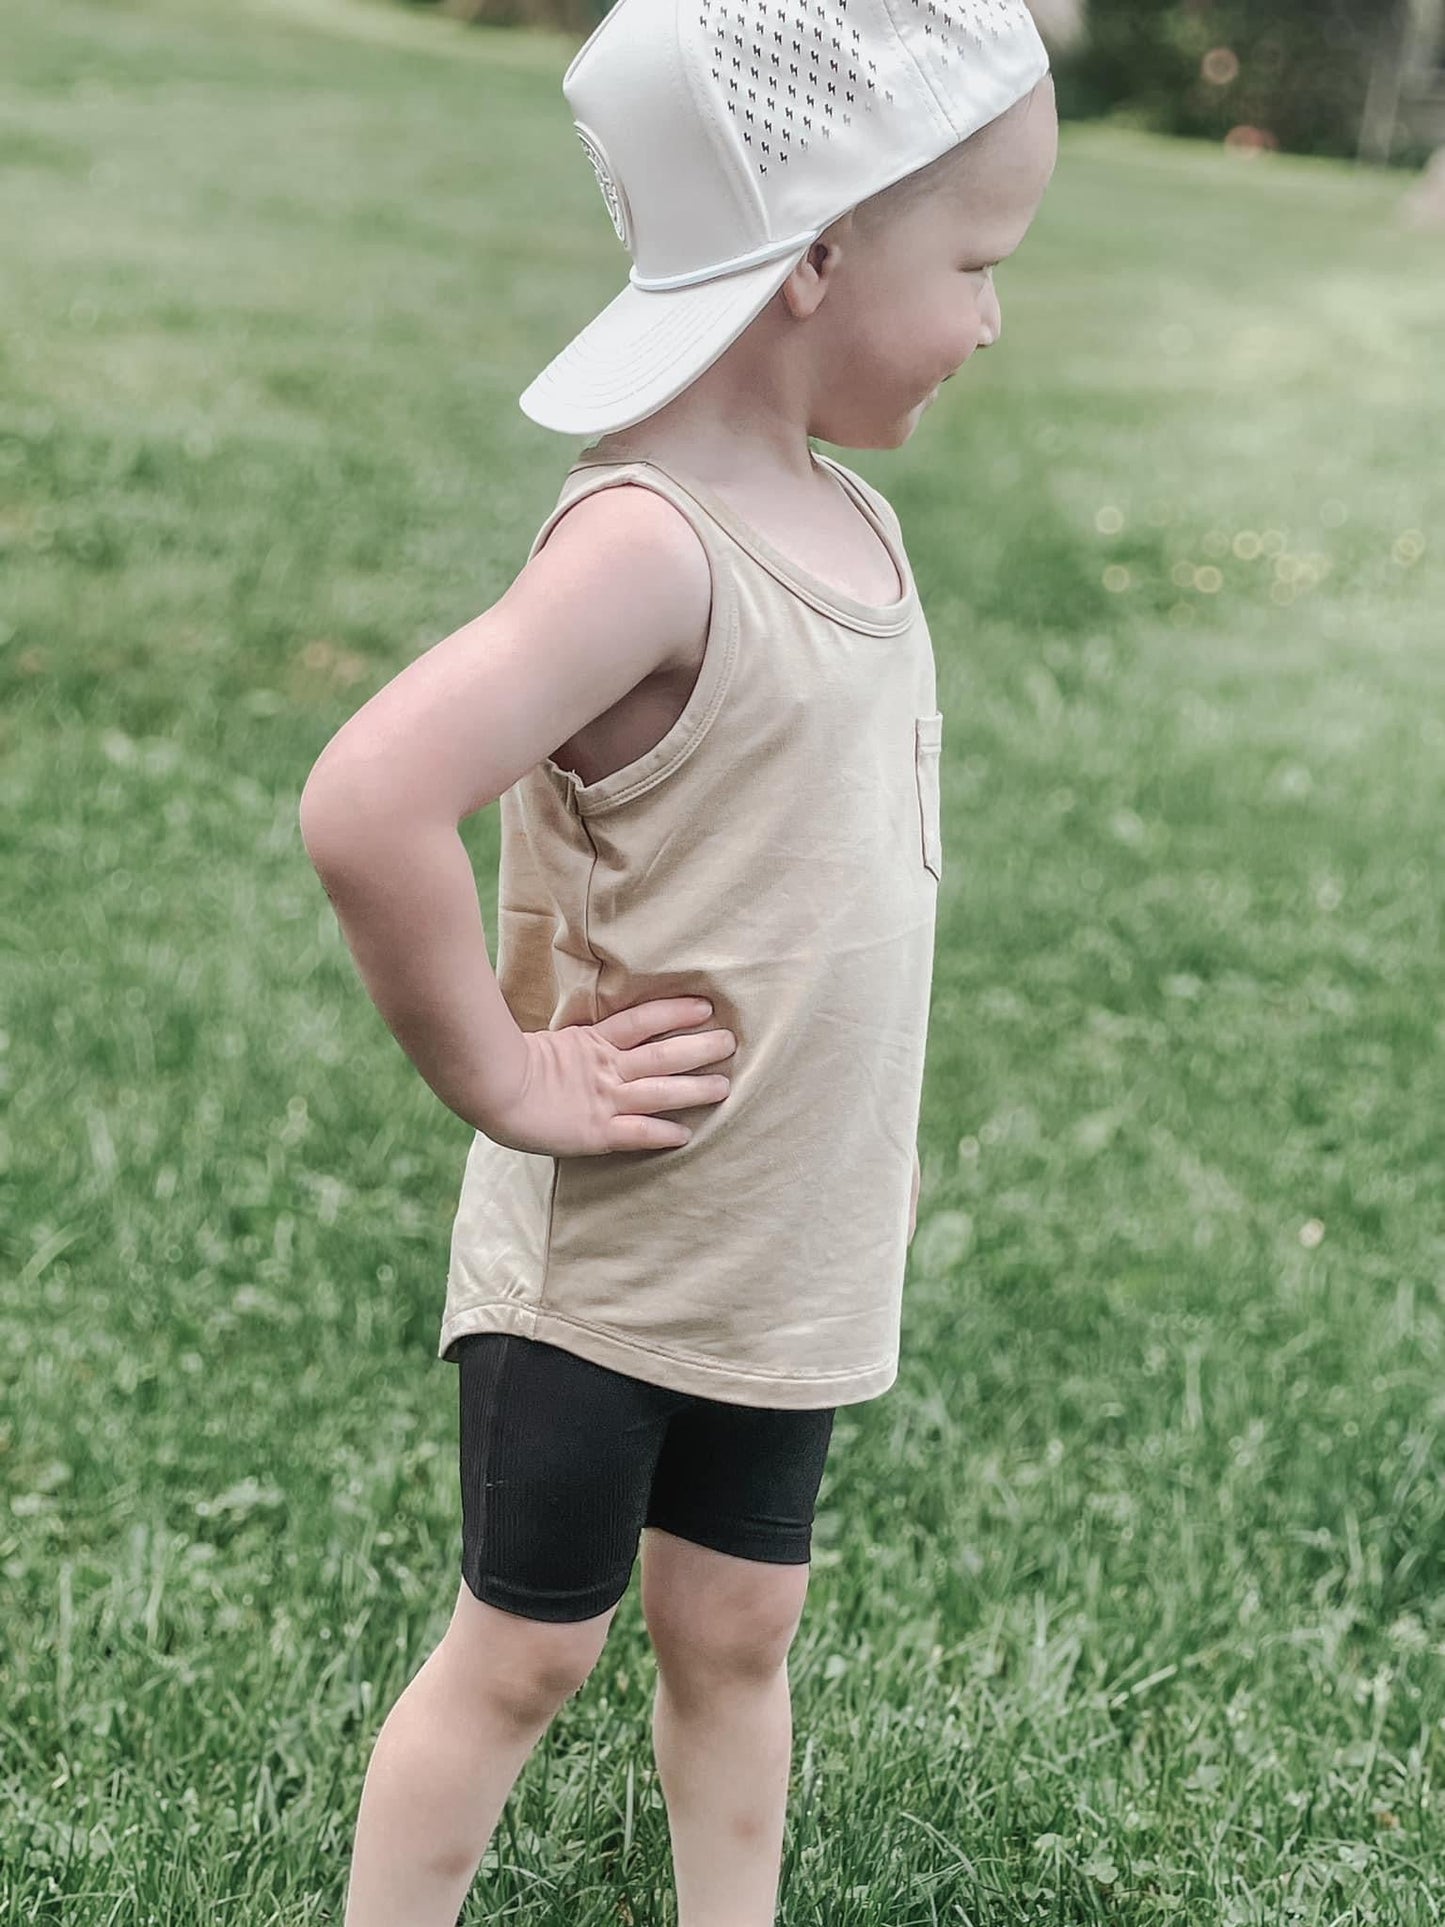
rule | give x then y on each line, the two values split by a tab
778	851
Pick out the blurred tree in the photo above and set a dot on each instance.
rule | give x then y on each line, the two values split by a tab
1343	77
1292	74
1407	84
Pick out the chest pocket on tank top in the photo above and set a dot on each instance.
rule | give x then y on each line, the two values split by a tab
928	748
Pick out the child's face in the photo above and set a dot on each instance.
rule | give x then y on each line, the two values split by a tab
915	295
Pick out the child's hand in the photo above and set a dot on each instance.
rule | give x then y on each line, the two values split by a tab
591	1088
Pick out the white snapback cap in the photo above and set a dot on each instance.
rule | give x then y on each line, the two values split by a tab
726	135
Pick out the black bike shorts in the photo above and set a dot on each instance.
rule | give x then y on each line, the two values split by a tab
563	1463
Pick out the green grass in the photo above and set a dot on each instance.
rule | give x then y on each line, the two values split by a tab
1128	1601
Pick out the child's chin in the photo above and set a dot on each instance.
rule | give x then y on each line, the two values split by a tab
878	435
903	432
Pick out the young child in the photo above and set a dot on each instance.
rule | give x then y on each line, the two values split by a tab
707	706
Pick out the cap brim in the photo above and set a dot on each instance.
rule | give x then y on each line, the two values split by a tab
645	348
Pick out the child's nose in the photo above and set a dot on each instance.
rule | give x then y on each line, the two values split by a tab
992	317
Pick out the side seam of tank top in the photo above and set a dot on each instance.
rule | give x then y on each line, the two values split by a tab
502	1232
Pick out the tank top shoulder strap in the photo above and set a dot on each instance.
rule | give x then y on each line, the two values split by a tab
590	477
865	494
736	549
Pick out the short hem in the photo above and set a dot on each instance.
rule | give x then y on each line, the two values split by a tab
759	1547
554	1608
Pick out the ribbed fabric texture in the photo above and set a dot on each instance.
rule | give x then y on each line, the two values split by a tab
778	852
563	1462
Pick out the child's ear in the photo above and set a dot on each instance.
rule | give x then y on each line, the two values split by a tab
840	234
806	286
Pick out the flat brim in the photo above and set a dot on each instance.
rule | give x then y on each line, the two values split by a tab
645	348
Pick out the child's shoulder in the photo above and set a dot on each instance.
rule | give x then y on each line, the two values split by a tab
630	517
629	549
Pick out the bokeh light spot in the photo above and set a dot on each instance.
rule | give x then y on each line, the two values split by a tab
1220	66
1250	142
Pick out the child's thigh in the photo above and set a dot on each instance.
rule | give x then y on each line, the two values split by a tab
557	1463
728	1535
741	1479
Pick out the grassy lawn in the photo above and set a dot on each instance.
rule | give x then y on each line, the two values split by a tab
1128	1601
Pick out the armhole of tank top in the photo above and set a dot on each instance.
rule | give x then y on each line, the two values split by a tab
719	649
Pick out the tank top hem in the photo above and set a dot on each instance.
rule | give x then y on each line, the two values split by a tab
681	1372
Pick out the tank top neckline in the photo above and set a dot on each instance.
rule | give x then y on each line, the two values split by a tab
872	617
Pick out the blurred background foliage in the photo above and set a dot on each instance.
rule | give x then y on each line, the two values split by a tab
1297	70
1287	74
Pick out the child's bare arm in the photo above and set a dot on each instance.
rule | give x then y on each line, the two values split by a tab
621	586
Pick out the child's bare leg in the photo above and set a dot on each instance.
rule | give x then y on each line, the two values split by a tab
723	1756
449	1753
722	1722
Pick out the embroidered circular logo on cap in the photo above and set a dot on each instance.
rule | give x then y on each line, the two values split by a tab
611	191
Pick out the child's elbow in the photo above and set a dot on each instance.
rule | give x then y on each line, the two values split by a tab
323	818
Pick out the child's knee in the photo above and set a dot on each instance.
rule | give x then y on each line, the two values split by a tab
524	1668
